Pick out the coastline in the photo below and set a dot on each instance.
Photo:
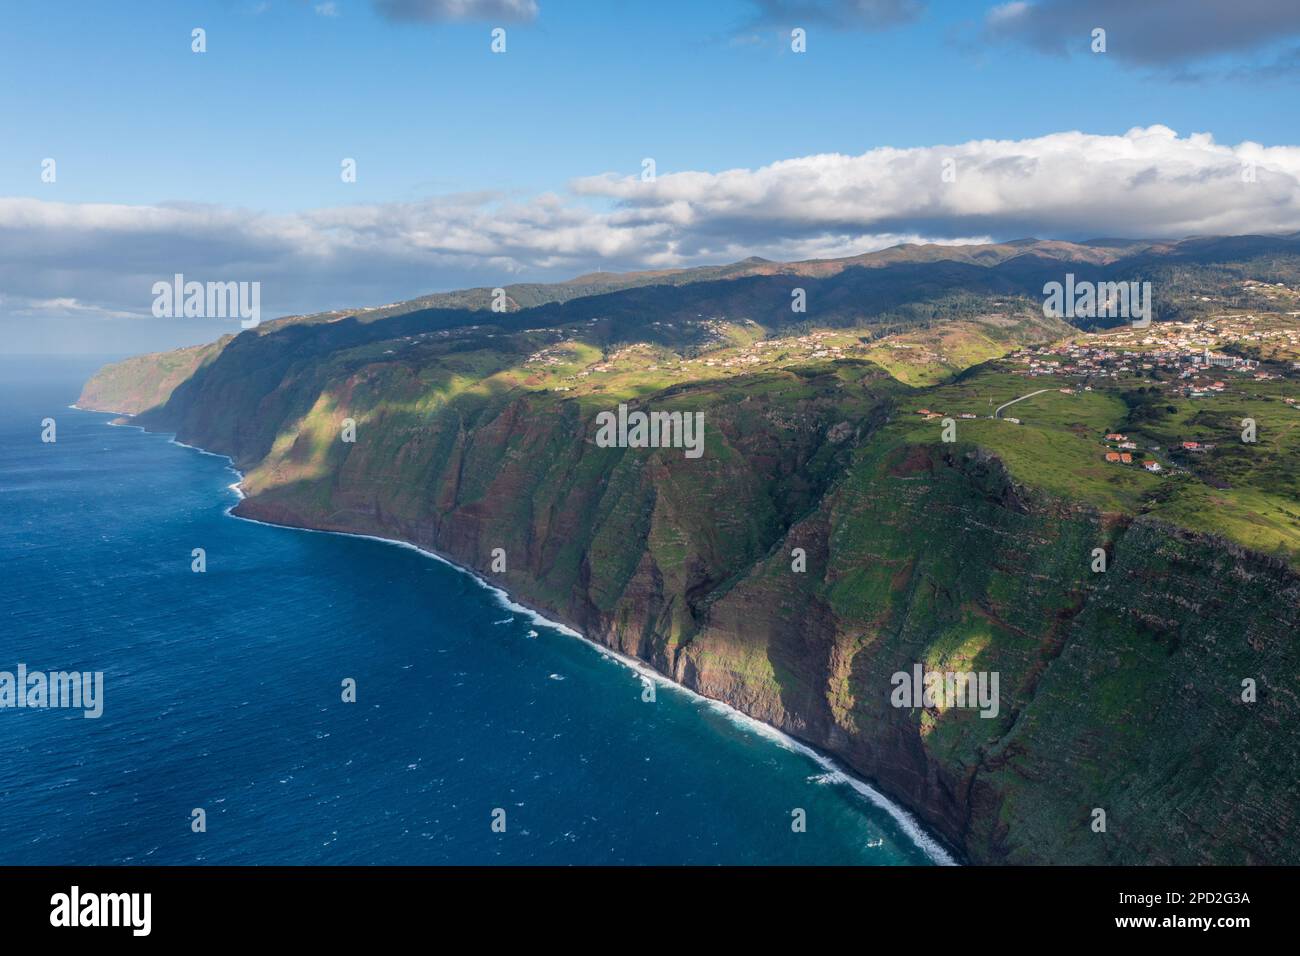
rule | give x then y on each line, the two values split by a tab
834	773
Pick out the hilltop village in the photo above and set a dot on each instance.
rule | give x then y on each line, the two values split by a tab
1190	350
1165	362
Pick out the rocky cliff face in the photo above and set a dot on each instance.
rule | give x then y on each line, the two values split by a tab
1119	690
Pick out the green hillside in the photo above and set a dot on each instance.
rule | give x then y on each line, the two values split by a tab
826	436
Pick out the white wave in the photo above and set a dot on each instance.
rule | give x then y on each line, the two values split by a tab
203	451
101	411
831	777
836	774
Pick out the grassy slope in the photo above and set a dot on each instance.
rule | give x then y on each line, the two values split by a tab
1058	449
142	382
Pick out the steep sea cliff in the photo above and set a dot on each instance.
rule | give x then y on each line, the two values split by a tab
1120	691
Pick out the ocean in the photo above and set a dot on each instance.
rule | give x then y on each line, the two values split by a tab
223	692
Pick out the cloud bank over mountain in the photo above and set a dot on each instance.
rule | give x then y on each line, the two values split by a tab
61	259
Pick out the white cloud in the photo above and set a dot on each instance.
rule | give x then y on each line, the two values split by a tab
1008	12
62	306
1147	183
517	11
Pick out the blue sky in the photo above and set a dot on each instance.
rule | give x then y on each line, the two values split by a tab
264	117
253	131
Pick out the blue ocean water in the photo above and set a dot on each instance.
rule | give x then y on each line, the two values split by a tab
222	691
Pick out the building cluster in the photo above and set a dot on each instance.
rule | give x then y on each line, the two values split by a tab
1172	345
818	345
1183	357
1122	450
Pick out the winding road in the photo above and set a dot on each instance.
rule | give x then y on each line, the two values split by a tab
998	411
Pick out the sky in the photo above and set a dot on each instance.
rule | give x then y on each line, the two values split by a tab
899	120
